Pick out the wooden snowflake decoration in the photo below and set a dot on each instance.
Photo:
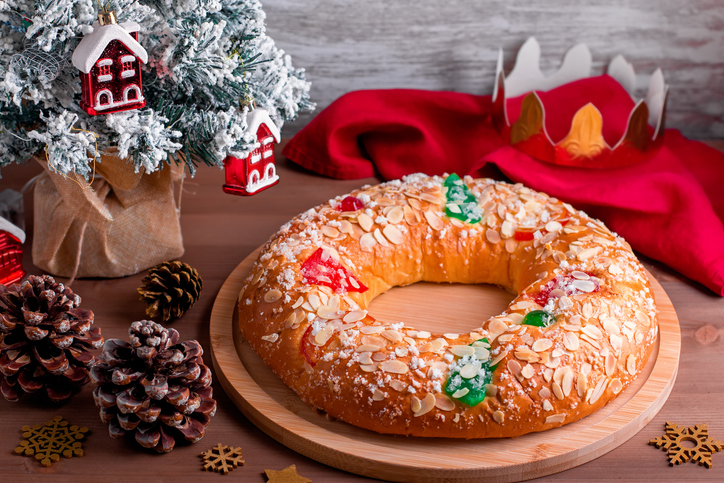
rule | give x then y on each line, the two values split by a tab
222	459
701	452
287	475
48	442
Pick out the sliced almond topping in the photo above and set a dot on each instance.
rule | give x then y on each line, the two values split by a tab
444	403
323	335
462	350
585	286
298	303
393	234
492	236
371	348
365	358
491	390
580	275
631	364
615	385
460	392
394	366
557	390
430	198
587	310
290	320
384	201
527	371
542	345
592	331
378	395
454	208
380	239
367	241
272	296
435	222
499	417
327	312
643	318
410	216
396	215
414	202
354	316
553	362
379	356
365	221
547	406
392	335
507	229
553	226
398	385
610	325
426	405
345	226
581	384
598	390
438	344
314	301
330	231
514	367
368	367
544	392
373	340
371	329
610	364
469	370
499	358
556	418
567	383
497	326
415	404
271	337
570	340
548	374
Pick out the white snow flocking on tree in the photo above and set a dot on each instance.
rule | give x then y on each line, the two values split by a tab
209	62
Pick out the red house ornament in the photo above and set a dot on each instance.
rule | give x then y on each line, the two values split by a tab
109	61
256	171
11	252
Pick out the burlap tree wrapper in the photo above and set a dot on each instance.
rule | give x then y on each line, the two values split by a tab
124	223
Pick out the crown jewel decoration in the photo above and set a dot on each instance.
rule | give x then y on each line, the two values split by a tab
584	145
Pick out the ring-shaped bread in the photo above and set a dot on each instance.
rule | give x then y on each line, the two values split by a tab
581	327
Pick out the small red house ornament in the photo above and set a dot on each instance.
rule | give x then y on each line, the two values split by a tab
256	171
11	253
109	61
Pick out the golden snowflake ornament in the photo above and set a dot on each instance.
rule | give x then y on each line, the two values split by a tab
222	459
48	442
701	452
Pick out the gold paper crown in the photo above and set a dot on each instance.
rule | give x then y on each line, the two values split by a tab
584	145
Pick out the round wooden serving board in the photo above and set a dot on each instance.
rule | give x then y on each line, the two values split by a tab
277	411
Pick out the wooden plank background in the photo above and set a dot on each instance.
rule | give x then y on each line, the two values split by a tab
347	45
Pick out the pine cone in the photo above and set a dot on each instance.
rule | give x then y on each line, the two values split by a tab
44	339
170	289
154	386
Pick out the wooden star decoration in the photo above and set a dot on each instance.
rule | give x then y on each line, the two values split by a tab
222	459
701	452
50	441
287	475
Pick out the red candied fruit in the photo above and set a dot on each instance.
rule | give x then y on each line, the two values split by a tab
351	203
560	282
525	235
308	350
322	269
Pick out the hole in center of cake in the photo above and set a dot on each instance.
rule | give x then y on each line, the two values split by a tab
441	307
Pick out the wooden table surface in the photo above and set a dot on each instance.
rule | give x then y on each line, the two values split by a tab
221	230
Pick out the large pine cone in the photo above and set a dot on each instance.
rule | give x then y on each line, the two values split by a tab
170	289
154	386
44	339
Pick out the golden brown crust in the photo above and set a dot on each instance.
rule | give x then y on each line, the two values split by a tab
390	378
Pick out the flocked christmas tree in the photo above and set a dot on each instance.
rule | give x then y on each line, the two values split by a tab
209	63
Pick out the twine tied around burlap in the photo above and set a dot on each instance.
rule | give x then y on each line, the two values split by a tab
119	224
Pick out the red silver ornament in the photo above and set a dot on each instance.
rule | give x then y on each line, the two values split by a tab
109	60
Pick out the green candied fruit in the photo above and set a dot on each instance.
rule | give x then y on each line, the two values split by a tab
539	318
475	385
460	202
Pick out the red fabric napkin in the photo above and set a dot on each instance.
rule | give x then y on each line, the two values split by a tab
669	207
